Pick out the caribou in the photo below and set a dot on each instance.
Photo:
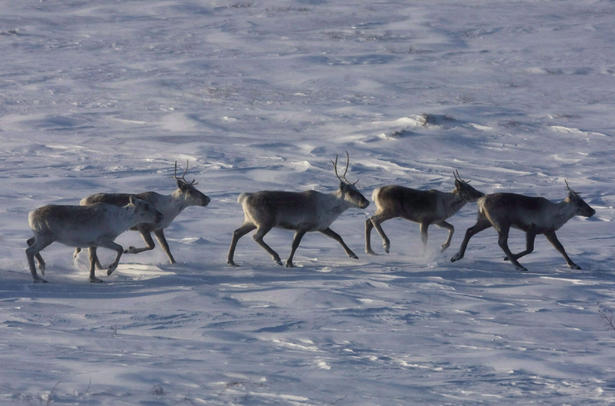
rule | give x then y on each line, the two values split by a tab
85	226
425	207
170	206
534	215
300	211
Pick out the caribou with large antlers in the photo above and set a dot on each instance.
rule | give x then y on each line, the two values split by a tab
299	211
534	215
170	206
422	206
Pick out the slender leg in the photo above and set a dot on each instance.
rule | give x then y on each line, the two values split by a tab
261	230
423	228
530	236
147	237
98	264
296	240
237	234
330	233
164	244
112	246
558	246
92	255
503	243
376	221
39	258
92	251
41	262
34	247
450	229
481	224
368	236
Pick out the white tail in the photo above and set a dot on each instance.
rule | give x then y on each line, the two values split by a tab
170	206
299	211
84	226
534	215
425	207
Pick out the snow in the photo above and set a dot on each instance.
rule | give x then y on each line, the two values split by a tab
255	95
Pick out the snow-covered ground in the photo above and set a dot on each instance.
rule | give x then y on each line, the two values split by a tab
261	94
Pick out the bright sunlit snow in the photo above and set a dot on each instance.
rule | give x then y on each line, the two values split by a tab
261	95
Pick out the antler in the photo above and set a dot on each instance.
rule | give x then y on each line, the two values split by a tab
458	177
569	189
343	177
183	177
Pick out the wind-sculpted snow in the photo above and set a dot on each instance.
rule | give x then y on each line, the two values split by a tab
104	97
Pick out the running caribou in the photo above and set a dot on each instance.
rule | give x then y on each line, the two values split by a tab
299	211
85	226
170	206
534	215
425	207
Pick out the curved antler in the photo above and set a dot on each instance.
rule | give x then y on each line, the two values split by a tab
343	177
458	177
183	177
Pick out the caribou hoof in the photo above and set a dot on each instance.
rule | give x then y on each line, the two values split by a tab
456	257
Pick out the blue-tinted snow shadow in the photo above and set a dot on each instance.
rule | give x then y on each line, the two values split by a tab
75	284
262	275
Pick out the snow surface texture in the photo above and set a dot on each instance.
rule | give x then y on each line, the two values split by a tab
260	94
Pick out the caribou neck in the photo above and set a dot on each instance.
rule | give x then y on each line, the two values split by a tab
339	204
171	205
563	212
453	203
177	199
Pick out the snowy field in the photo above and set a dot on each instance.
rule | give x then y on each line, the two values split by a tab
260	94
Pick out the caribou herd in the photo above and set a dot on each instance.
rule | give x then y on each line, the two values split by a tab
101	217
